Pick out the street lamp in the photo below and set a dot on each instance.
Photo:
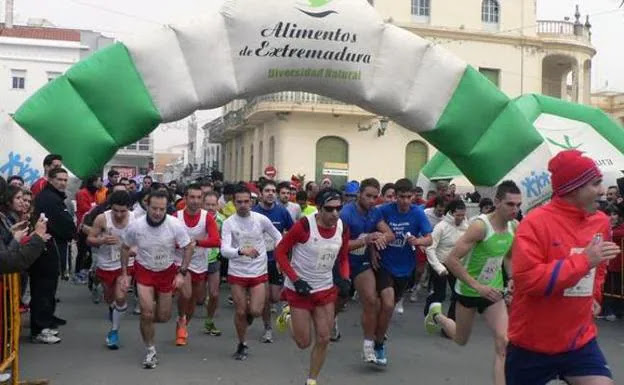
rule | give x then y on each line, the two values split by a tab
383	125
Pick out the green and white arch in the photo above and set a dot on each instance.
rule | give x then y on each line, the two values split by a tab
560	125
337	48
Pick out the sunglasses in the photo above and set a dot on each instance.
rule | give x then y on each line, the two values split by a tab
329	209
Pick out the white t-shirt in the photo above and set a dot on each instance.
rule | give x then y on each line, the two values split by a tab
294	210
238	232
156	245
108	257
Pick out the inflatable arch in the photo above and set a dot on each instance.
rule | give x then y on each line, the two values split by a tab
338	48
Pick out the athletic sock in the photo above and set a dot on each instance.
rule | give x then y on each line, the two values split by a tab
117	313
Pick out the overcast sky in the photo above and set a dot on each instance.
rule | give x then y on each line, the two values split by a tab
122	17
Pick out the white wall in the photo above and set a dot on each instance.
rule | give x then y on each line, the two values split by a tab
19	153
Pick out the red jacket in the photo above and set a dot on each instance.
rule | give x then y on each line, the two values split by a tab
546	315
38	186
615	265
85	200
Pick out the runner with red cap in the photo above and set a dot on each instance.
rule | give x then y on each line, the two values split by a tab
558	264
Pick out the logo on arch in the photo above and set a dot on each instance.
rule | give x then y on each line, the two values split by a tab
316	8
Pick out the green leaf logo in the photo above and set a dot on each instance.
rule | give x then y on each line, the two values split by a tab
567	145
318	3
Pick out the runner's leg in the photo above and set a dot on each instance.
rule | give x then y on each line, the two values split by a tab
322	317
497	319
459	331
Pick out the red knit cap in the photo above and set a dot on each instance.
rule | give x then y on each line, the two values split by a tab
571	170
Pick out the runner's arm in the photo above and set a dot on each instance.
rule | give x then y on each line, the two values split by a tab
532	274
227	250
94	239
601	272
432	257
125	258
297	234
268	227
343	255
184	241
474	234
383	228
212	238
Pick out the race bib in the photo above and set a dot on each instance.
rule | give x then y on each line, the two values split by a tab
584	287
161	258
115	254
325	258
490	269
361	250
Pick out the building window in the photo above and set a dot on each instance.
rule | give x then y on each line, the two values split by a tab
18	79
53	75
490	11
144	144
492	74
420	7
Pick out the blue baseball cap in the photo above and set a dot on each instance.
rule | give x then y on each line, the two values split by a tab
352	188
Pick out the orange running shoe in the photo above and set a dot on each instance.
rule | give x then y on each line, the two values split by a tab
181	333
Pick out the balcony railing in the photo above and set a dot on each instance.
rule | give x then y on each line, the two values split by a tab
236	112
564	29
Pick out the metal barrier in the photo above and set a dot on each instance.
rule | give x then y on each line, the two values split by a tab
11	324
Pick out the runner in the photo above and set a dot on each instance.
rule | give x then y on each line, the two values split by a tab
479	285
559	262
243	244
366	228
213	276
281	219
316	242
105	236
155	237
302	200
444	237
202	229
395	264
294	209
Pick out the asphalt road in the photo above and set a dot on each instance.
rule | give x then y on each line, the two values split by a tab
414	357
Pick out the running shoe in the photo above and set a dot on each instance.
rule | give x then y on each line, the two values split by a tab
431	325
210	328
241	352
151	360
50	332
112	340
137	308
399	307
310	381
368	353
267	337
282	320
181	333
380	355
230	300
45	339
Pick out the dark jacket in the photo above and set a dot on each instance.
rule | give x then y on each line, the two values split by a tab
19	259
51	202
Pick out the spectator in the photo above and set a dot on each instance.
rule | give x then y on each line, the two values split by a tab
113	178
614	308
442	190
27	200
147	182
45	271
418	197
85	202
435	214
311	189
50	162
16	180
486	206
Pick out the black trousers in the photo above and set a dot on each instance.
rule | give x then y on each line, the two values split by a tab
437	291
83	256
42	301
